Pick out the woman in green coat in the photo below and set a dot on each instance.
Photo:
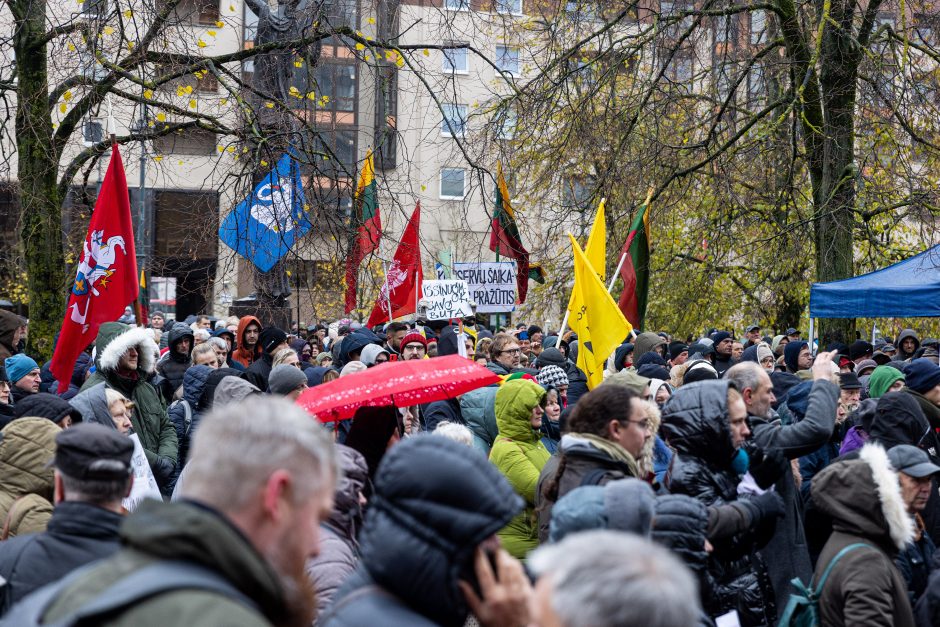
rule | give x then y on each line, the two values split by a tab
519	454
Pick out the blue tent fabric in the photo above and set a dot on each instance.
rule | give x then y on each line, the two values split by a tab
907	289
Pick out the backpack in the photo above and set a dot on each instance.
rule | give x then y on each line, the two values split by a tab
803	606
140	585
187	413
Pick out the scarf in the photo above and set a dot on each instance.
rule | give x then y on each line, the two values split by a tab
611	449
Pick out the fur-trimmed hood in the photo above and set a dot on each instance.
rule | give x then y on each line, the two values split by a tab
114	338
863	497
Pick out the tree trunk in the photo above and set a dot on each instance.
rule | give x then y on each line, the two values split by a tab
37	172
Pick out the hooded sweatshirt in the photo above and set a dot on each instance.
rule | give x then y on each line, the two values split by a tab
9	323
906	333
645	343
882	378
242	354
519	454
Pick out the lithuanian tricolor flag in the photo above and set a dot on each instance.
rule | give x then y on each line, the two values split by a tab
505	239
368	225
636	268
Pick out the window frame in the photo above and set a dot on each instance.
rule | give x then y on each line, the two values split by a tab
500	58
507	7
448	53
449	130
440	190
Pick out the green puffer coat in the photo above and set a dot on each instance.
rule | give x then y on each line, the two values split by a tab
519	454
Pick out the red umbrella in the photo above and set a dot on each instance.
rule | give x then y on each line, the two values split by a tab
399	383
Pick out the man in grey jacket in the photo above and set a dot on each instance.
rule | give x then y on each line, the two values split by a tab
787	554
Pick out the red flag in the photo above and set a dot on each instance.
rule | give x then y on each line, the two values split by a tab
106	281
399	292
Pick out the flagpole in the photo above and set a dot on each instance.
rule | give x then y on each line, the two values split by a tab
418	290
613	278
388	291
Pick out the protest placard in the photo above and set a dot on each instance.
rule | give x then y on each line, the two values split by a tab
444	300
492	284
145	485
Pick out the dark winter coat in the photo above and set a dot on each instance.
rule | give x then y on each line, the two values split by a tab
82	363
150	421
9	323
189	532
903	335
787	554
260	370
173	366
436	501
863	498
695	424
78	534
915	562
339	546
194	382
442	411
577	380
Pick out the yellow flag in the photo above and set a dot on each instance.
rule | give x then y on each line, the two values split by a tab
597	319
596	248
596	252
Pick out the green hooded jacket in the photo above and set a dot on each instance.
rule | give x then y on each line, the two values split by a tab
519	454
151	423
189	532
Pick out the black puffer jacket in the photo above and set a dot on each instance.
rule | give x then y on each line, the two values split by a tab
435	502
194	381
173	366
695	424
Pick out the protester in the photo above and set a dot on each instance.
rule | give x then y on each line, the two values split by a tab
915	473
373	355
206	355
394	333
339	544
706	425
92	474
233	551
27	445
605	434
864	499
454	431
885	379
125	360
922	382
9	333
172	366
433	570
271	340
184	413
49	406
246	336
621	505
102	405
505	354
285	356
413	346
611	579
907	344
288	381
24	374
519	455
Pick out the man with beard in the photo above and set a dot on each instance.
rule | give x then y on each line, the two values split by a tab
232	551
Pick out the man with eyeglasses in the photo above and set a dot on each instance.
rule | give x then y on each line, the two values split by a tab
505	354
413	346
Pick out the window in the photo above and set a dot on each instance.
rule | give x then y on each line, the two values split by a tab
456	60
576	193
726	29
334	81
756	87
506	120
454	120
336	152
386	117
682	68
92	132
95	8
457	5
195	11
192	141
758	27
507	7
340	13
507	60
453	183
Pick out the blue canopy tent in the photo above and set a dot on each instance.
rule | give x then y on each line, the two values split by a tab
907	289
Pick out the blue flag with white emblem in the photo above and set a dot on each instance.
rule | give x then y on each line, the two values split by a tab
265	226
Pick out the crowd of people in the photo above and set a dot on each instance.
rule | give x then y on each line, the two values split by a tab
713	480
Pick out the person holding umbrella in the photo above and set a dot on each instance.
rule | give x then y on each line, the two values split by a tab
519	454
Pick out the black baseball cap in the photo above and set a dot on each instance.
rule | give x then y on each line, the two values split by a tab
753	327
912	461
791	331
93	451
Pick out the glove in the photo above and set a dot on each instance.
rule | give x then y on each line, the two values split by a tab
767	506
163	469
766	466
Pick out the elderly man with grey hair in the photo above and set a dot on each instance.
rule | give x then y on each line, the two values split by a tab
233	550
611	579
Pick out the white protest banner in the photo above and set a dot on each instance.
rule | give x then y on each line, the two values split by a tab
446	299
145	485
492	284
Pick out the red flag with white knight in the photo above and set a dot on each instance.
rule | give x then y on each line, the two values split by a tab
399	291
106	280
